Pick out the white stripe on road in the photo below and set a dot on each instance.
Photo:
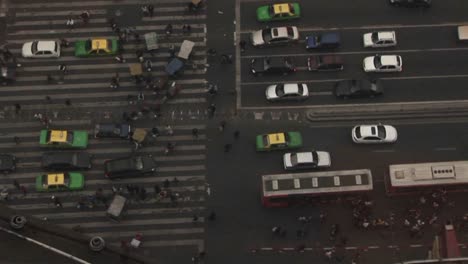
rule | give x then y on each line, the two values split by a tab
172	243
67	13
110	3
446	149
52	22
128	223
150	232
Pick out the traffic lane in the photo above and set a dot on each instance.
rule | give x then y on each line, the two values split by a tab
395	91
422	38
335	13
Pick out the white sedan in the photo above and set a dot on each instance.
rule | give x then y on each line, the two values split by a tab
371	134
287	91
379	39
307	160
275	36
41	49
383	63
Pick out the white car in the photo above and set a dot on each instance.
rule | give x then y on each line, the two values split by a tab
287	91
379	39
275	36
41	49
371	134
307	160
383	63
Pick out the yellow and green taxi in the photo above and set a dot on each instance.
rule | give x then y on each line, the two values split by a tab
63	139
287	140
96	47
274	12
52	182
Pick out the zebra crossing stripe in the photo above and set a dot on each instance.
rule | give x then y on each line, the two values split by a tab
127	223
93	3
166	243
151	232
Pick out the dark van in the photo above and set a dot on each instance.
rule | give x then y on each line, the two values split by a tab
330	40
135	166
112	130
325	63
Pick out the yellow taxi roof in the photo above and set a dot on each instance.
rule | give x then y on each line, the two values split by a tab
98	44
55	179
277	138
281	8
58	136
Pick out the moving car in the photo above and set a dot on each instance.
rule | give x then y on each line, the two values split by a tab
54	182
277	141
358	88
327	40
63	139
411	3
383	63
112	130
41	49
280	11
287	91
96	47
379	39
7	163
273	65
325	63
274	36
66	160
306	160
134	166
370	134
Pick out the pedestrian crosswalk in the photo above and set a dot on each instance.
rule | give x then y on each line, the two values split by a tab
167	225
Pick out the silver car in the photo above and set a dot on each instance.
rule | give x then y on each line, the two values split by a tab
306	160
287	91
380	39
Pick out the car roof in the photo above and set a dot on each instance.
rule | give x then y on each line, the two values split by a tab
282	32
55	179
389	60
304	157
330	37
58	135
277	138
386	34
366	130
291	88
98	44
121	164
46	45
281	8
330	59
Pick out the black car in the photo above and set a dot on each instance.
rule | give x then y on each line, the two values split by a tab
63	160
273	65
411	3
129	167
358	88
325	63
7	163
112	130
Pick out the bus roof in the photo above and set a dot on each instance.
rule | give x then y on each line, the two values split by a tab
317	182
426	174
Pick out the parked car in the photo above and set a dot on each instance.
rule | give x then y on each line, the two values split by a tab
41	49
411	3
54	182
278	141
63	139
306	160
96	47
64	160
358	88
134	166
379	39
276	12
370	134
328	40
383	63
273	65
112	130
325	63
7	163
287	91
274	36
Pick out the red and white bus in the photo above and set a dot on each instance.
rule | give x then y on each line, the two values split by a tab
283	190
426	177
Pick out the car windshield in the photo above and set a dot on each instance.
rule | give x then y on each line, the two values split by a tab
267	33
34	47
279	90
70	138
300	89
314	157
271	10
382	133
290	32
294	159
139	163
88	44
291	9
377	62
375	37
265	140
357	132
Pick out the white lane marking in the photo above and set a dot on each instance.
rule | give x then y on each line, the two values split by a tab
446	149
383	150
300	81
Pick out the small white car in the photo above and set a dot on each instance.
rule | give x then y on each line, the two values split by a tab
287	91
41	49
306	160
274	36
383	63
380	39
371	134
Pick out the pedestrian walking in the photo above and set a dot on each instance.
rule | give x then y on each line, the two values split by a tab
212	216
71	23
195	132
48	99
85	17
62	68
23	190
212	52
211	110
16	140
242	45
227	147
16	184
143	193
155	132
169	130
7	55
195	218
212	89
221	126
67	102
157	189
57	201
236	134
50	79
151	10
166	183
17	108
175	181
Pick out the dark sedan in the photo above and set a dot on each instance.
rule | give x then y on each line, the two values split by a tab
358	88
112	130
66	160
273	65
7	163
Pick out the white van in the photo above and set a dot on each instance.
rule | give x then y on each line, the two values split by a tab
463	33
